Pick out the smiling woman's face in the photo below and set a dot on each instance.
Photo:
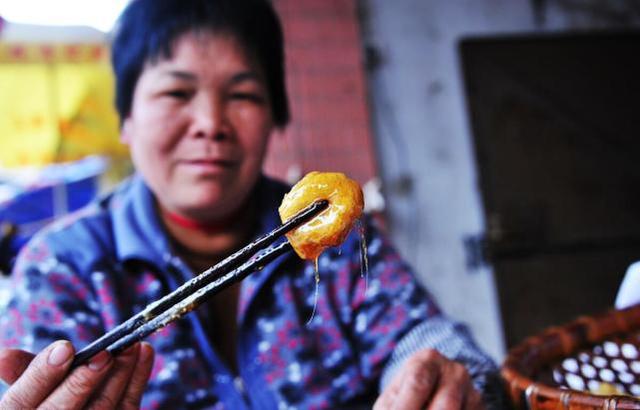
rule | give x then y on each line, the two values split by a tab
199	126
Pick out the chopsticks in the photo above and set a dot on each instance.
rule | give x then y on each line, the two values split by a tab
197	290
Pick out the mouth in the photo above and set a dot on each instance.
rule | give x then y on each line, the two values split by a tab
208	165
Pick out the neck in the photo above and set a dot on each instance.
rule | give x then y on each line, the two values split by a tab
204	226
202	243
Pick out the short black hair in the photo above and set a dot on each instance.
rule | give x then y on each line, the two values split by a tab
148	29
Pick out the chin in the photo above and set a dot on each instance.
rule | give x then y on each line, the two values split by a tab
211	204
210	196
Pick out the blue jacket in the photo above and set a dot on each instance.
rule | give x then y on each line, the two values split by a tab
86	273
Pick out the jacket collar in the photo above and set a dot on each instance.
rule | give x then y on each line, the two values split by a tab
140	233
137	228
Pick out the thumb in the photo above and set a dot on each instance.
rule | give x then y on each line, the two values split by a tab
13	362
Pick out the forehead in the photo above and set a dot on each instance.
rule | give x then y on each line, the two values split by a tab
206	49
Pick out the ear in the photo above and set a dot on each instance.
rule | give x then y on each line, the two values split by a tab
125	131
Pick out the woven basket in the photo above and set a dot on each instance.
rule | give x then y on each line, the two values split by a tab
529	367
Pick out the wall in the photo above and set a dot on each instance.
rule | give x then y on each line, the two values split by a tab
423	136
330	125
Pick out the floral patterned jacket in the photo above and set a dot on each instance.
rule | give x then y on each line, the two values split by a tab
84	274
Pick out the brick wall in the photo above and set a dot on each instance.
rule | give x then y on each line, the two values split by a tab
330	128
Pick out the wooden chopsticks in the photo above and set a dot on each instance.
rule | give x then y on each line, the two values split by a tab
197	290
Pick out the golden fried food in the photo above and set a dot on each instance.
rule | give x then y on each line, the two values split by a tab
608	389
332	225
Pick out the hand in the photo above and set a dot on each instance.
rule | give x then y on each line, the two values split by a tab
429	380
104	383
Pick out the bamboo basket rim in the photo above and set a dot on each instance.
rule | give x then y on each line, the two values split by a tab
555	343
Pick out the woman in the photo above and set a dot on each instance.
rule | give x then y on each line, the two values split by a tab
200	87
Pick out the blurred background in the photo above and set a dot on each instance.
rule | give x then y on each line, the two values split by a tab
495	139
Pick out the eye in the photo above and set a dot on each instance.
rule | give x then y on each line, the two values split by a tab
179	94
247	96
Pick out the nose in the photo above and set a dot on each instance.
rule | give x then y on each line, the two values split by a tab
209	119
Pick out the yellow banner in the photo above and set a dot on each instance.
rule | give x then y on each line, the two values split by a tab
56	104
53	53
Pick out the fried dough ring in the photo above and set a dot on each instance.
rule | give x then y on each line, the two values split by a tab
331	226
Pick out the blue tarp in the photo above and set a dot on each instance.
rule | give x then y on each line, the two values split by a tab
30	200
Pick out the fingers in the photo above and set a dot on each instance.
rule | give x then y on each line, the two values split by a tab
429	380
108	396
41	376
133	394
455	385
421	376
388	396
44	380
78	387
474	401
386	399
13	363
